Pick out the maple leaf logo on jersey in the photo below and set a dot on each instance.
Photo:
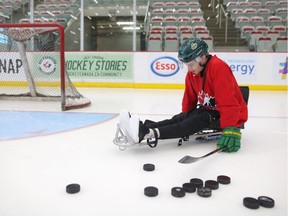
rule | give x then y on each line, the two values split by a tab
205	100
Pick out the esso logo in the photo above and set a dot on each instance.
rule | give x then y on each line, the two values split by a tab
165	66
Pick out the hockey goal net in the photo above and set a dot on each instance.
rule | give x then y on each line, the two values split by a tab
32	65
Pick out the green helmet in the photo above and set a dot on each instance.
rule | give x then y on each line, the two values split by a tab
192	48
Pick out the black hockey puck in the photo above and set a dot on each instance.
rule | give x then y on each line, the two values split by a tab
204	191
189	187
222	179
178	192
251	203
266	201
149	167
214	185
73	188
151	191
197	182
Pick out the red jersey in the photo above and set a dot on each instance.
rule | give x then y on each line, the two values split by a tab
220	92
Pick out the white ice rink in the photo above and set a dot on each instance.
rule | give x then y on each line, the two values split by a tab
34	171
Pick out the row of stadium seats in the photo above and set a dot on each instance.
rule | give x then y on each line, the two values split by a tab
271	5
175	31
180	21
178	12
262	12
179	4
265	44
239	1
246	30
57	1
60	6
177	1
172	43
271	37
259	21
60	20
3	2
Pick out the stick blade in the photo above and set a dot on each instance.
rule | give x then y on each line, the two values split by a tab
187	159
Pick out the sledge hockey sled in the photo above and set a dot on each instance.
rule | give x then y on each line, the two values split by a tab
123	140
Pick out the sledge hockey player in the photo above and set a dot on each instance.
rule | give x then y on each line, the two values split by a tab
212	99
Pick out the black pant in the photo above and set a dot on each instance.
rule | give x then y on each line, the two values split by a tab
185	124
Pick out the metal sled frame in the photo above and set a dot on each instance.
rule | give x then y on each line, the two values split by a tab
204	135
122	138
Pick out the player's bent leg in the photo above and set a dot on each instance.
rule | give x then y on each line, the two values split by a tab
150	123
193	123
175	119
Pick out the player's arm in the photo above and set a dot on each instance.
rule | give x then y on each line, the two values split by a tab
189	100
229	109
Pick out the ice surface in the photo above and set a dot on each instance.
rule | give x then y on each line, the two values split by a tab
35	171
